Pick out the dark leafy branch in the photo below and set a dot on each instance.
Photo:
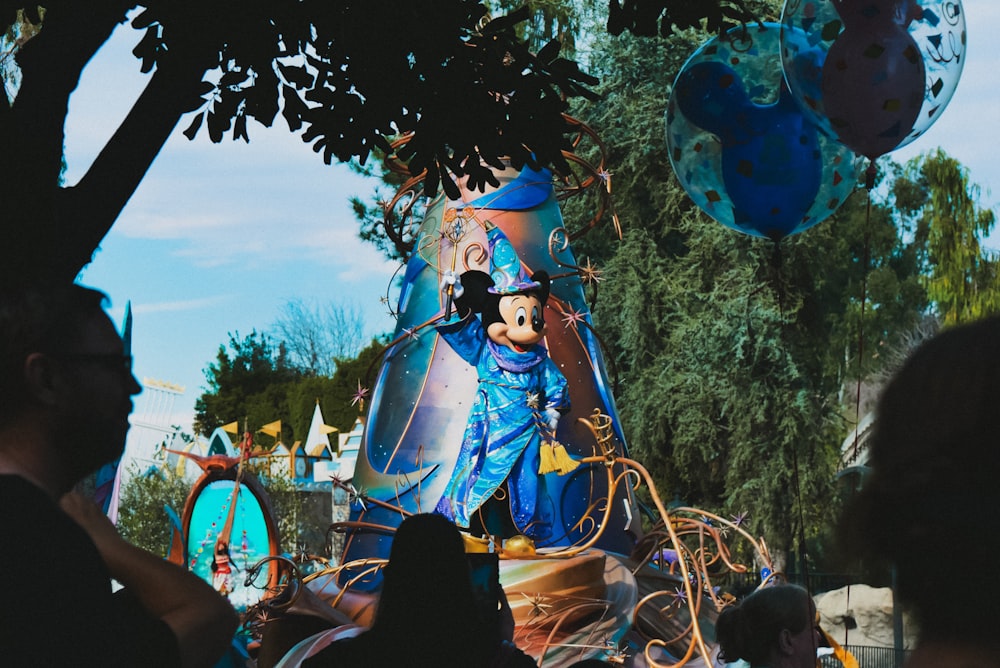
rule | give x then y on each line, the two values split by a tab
349	76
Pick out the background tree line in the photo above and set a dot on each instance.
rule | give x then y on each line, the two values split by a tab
312	353
738	359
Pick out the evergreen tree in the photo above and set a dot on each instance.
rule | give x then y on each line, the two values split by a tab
941	206
732	353
249	384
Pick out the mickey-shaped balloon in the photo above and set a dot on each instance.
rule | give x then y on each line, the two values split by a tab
742	148
875	74
496	487
770	154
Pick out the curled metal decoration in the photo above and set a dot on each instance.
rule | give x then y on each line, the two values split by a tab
281	592
401	225
584	175
698	539
590	176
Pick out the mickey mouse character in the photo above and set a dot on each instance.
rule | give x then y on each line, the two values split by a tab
496	488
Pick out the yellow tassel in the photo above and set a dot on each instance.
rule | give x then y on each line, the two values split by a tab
564	463
547	463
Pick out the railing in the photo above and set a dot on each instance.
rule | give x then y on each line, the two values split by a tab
818	582
870	657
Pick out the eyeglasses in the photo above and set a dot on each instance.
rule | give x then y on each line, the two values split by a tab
111	360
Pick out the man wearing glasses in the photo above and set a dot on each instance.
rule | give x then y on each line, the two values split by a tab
65	395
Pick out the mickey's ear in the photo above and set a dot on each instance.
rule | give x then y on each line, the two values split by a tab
542	277
476	284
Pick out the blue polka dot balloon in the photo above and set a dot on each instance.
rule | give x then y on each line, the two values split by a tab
741	146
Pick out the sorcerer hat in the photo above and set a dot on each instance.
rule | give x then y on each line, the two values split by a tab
505	266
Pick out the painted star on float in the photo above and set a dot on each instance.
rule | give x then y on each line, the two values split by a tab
573	318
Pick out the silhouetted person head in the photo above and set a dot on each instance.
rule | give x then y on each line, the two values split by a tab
774	627
32	320
426	592
65	383
930	504
427	614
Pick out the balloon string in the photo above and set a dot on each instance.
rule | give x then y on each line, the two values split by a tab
803	549
869	183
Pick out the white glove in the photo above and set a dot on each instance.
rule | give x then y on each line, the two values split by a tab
450	279
552	418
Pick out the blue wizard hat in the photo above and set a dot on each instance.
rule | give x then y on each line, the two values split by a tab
505	266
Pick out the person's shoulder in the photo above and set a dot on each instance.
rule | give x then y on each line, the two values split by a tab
28	514
16	486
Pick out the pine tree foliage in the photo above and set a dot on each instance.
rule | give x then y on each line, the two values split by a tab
732	354
247	383
938	200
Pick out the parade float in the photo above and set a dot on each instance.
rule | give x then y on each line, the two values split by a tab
591	562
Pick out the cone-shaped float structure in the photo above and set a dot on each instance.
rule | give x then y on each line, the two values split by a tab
423	393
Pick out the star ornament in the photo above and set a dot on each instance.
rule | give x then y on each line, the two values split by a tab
539	607
358	496
590	274
360	396
573	318
605	177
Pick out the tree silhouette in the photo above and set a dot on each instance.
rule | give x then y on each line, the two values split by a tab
347	76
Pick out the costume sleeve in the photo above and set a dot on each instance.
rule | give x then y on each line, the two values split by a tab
466	337
556	395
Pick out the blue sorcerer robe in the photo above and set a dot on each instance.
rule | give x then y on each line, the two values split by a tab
502	437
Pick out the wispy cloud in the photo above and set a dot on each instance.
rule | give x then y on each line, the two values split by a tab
181	305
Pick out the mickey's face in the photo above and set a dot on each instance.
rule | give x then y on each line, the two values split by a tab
521	325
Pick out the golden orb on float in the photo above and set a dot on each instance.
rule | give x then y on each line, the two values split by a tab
518	547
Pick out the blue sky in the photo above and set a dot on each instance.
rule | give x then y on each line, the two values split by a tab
218	237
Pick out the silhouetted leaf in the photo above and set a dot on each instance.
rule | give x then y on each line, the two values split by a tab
192	129
240	128
293	108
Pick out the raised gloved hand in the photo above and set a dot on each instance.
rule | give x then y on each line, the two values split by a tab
552	418
451	280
